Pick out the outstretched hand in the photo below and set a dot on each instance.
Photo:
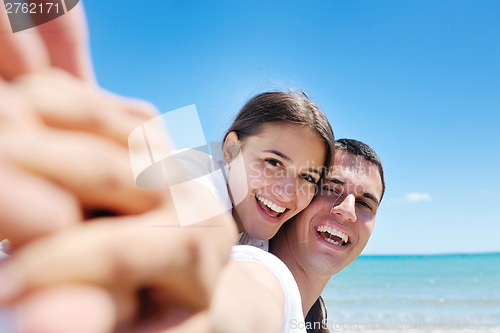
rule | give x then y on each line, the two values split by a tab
143	270
64	160
64	155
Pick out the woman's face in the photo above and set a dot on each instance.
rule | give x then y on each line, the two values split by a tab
272	175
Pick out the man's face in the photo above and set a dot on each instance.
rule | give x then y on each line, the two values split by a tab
333	230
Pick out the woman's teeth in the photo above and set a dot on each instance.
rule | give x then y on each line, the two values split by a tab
271	205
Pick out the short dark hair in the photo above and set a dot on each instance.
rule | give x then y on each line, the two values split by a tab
359	148
316	318
276	106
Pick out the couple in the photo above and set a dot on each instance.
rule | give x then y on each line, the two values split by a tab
316	244
88	260
275	154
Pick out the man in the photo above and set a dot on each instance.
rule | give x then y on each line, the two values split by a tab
255	291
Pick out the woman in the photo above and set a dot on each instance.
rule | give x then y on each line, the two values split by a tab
275	151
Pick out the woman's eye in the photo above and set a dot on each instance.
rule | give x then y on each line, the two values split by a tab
274	162
308	178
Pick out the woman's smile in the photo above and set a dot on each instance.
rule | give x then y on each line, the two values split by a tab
274	176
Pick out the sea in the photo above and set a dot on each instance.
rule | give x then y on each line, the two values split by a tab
416	293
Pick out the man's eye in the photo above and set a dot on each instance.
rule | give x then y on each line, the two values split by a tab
274	162
364	204
329	190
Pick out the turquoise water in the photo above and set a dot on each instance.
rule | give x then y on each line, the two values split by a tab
453	290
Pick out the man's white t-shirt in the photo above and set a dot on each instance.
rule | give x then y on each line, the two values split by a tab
293	316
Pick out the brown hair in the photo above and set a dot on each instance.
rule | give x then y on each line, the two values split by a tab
292	107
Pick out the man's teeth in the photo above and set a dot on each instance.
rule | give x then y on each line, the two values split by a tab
271	205
333	232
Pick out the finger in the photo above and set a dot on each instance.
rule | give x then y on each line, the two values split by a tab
66	41
95	170
15	114
69	308
180	264
21	52
31	206
65	102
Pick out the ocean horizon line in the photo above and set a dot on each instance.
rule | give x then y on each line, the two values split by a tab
441	254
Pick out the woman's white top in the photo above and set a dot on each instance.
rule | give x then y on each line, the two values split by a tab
293	318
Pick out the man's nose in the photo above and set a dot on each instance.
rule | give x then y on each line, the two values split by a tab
345	207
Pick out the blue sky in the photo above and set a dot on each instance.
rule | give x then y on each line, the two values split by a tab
417	80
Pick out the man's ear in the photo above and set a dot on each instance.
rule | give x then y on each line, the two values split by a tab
231	147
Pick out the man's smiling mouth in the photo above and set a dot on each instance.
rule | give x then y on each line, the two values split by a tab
332	235
269	207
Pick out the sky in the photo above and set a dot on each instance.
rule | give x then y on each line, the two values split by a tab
419	81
